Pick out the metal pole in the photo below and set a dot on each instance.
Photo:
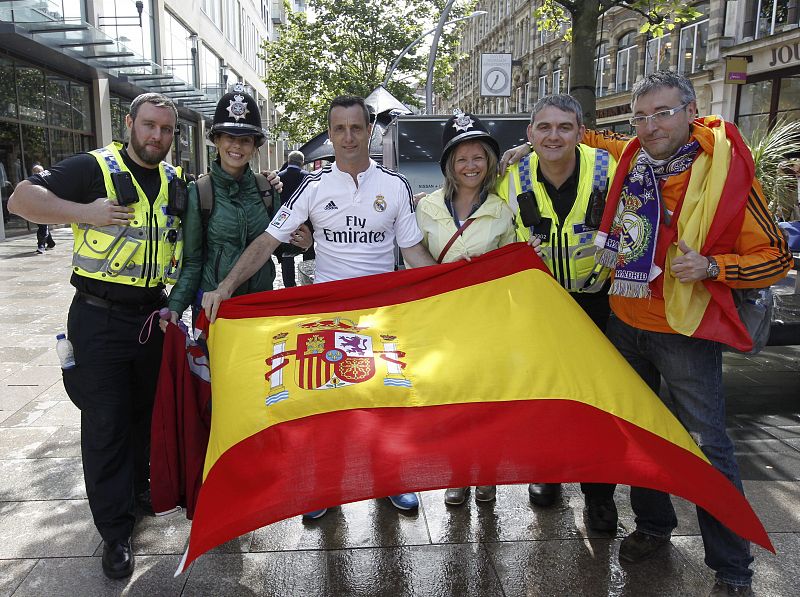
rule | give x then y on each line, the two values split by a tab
407	49
432	57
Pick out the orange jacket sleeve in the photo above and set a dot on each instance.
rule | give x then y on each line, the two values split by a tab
762	256
613	143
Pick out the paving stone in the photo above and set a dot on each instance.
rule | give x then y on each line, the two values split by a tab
776	504
52	528
63	413
83	576
587	567
13	573
370	523
29	414
22	442
770	466
421	570
64	443
775	575
44	479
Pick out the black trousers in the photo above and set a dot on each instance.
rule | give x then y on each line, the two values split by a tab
43	236
113	384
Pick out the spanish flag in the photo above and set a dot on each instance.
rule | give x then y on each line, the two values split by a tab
474	373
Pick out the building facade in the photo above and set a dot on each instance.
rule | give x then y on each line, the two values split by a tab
70	68
764	32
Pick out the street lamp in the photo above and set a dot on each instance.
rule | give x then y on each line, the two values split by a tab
432	56
477	13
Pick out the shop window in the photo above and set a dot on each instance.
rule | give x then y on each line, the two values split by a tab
62	145
119	109
770	16
58	104
626	61
694	44
602	69
30	91
658	55
8	96
81	116
754	102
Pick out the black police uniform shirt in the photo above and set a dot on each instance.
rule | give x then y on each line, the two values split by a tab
80	179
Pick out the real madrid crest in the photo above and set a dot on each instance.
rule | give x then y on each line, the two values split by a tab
379	204
463	122
238	107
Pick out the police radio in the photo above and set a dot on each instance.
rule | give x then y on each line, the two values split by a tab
124	188
177	197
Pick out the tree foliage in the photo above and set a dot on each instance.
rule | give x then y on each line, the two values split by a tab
660	16
347	48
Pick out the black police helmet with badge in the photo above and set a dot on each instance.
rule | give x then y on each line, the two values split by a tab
237	115
464	127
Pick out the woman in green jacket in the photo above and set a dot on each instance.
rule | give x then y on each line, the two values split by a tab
239	213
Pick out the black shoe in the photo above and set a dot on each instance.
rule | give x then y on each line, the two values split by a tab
639	546
601	514
117	558
50	242
144	504
543	494
723	588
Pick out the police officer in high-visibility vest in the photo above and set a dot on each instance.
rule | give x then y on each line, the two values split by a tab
559	193
124	204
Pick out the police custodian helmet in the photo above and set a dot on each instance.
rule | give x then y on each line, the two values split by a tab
464	127
237	114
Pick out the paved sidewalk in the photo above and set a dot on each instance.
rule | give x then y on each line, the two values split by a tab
49	547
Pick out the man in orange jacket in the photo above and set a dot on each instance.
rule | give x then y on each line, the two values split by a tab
685	222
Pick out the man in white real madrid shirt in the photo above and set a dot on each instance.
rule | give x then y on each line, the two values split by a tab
358	210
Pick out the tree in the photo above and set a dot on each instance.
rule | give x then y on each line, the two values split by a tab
347	48
660	15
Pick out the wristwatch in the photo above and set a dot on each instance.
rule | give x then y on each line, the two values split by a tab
712	271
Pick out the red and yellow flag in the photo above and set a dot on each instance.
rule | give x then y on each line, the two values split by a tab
461	374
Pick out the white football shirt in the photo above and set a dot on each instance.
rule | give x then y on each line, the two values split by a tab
355	227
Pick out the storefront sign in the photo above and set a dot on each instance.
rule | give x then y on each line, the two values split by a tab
736	70
786	54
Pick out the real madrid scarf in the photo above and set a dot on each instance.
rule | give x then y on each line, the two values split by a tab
630	244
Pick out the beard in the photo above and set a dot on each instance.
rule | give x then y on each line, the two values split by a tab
147	153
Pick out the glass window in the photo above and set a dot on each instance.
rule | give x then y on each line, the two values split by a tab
178	45
30	90
213	9
694	44
119	19
62	145
789	98
658	55
210	73
556	76
58	104
81	116
8	96
770	15
119	109
626	61
754	102
602	70
34	147
542	88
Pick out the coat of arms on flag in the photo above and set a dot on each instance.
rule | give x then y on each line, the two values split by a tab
333	353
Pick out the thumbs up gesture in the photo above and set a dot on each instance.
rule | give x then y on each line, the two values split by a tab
691	266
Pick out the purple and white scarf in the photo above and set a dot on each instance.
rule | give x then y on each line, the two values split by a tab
631	243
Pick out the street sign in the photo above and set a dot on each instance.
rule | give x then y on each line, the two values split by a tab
496	75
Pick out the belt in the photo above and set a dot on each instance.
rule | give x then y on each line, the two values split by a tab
95	301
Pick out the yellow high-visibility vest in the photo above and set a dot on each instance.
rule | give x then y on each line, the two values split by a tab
147	252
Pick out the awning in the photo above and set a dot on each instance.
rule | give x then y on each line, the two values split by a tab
81	49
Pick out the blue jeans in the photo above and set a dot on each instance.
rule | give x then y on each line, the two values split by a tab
692	370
